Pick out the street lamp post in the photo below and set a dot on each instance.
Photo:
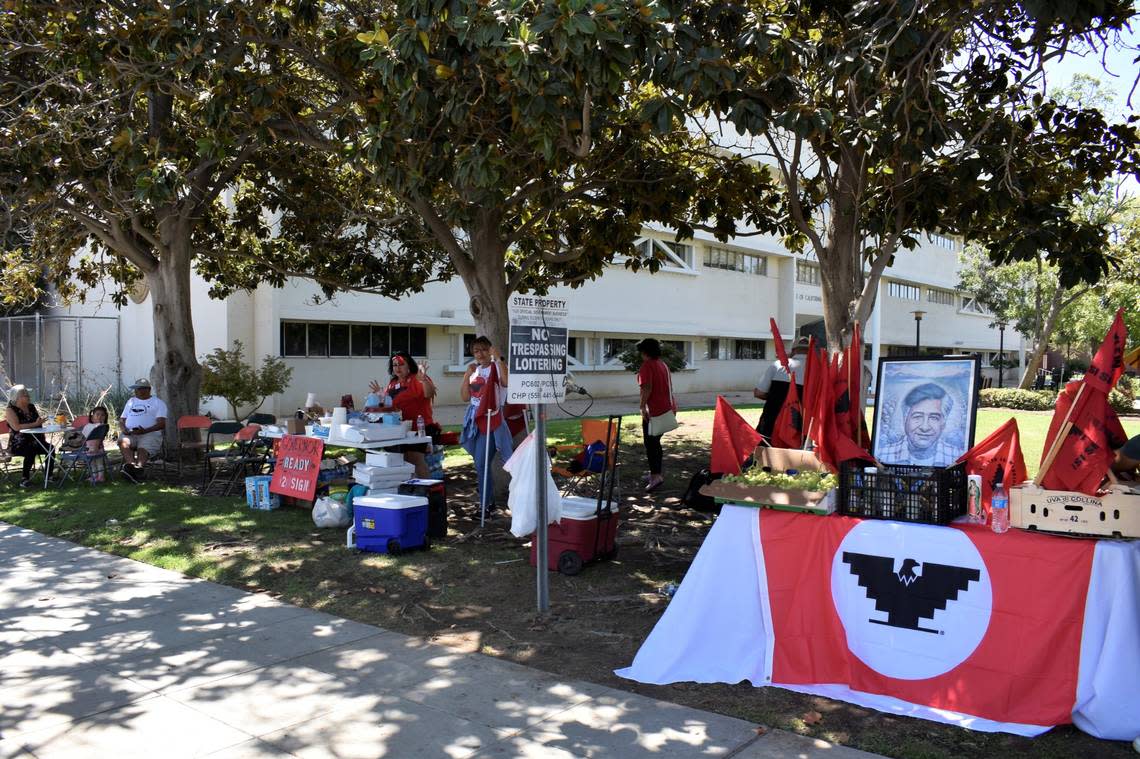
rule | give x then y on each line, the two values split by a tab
1001	325
918	329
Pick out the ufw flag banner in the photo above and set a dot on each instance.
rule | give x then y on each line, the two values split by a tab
733	441
1090	427
998	458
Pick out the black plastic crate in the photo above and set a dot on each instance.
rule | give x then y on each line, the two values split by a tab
928	495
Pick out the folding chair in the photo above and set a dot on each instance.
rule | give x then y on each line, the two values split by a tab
243	457
212	454
593	457
80	422
9	468
186	425
85	461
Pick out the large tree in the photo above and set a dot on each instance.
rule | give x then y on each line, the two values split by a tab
518	145
889	120
132	137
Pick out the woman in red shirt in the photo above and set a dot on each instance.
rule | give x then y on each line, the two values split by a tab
411	393
656	399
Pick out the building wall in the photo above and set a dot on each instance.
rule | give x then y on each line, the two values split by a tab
717	313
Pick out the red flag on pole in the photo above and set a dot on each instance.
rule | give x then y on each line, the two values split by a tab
788	432
733	440
832	446
853	363
1085	430
487	414
781	352
998	457
814	368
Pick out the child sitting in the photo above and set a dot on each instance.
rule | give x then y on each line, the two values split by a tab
98	460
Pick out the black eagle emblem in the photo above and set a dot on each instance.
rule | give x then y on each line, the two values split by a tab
907	596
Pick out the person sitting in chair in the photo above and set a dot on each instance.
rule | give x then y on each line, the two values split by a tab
21	415
143	422
1127	461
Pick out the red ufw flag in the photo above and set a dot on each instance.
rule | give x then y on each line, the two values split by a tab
489	403
788	431
998	456
832	446
733	441
1086	452
813	376
941	616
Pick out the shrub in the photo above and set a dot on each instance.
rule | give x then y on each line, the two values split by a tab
1020	400
225	374
1123	395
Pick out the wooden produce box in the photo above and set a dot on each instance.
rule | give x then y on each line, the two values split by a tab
778	460
1116	514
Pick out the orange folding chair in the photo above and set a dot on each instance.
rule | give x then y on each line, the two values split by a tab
595	454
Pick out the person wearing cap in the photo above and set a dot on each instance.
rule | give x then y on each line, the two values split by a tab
142	424
1127	461
774	384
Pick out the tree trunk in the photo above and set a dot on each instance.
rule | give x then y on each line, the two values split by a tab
486	283
176	373
1042	342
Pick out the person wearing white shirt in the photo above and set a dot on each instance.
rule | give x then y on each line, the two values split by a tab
143	422
774	384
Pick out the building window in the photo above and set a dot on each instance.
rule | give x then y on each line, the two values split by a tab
612	347
971	305
714	349
341	339
807	274
318	340
676	255
941	297
942	241
731	260
904	291
749	350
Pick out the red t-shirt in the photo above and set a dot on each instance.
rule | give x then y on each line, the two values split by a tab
655	373
408	397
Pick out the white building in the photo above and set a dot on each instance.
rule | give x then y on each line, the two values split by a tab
713	300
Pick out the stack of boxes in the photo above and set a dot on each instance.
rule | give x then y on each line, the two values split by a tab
383	472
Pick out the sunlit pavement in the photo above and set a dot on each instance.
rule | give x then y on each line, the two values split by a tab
105	657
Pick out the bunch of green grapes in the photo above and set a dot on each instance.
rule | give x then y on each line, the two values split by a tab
816	481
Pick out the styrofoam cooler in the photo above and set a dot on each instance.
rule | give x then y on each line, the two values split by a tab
390	523
383	459
580	537
382	478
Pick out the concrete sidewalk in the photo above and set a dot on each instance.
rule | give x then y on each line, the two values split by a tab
105	657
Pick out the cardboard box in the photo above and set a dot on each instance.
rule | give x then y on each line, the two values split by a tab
383	458
295	426
1115	514
778	460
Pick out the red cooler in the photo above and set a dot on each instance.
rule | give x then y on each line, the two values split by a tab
584	535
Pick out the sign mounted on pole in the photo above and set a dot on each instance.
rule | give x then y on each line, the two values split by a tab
538	351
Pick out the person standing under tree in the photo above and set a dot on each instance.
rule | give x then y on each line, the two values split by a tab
485	433
656	386
774	384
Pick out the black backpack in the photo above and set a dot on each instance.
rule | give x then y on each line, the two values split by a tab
696	500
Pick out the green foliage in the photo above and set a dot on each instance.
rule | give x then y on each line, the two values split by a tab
1122	397
226	374
819	482
1014	398
630	358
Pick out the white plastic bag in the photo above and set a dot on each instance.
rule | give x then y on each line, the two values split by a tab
328	512
524	510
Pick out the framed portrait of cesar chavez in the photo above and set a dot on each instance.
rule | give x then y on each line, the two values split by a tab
925	409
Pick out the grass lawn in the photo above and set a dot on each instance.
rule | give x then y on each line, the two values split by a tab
475	588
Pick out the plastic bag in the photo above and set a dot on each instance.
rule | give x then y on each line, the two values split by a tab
524	511
329	512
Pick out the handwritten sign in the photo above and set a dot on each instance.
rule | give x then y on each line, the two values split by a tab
298	464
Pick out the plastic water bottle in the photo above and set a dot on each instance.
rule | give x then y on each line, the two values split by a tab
999	509
387	401
420	424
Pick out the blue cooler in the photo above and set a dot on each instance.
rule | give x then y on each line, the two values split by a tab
390	523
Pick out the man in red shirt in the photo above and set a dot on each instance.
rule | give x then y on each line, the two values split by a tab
656	399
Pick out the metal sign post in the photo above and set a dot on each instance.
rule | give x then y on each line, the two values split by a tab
542	546
538	356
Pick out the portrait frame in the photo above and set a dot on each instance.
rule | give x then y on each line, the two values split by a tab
959	380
